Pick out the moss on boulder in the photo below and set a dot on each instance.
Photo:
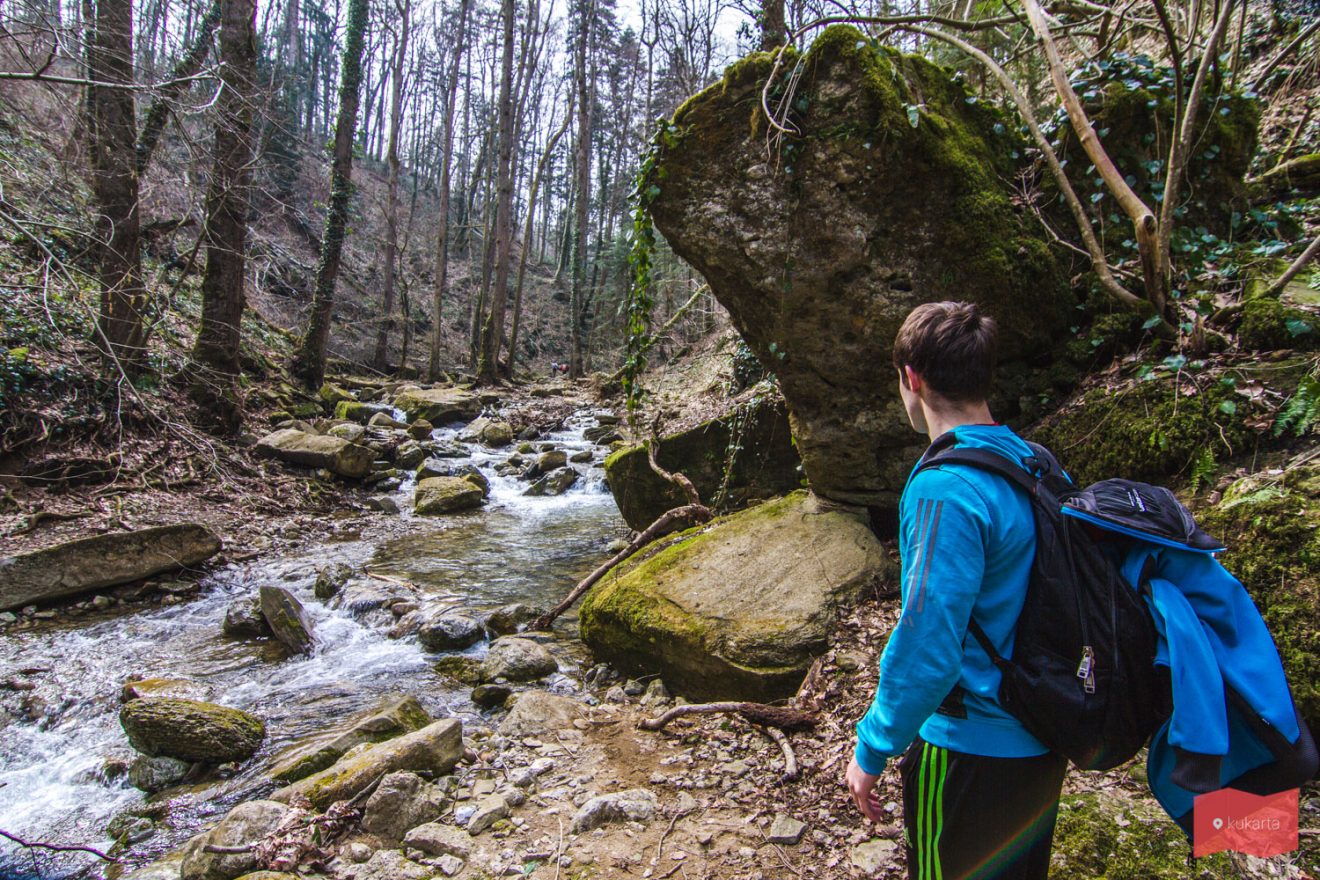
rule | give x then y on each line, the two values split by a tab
738	609
439	406
1271	524
445	495
754	443
190	730
1269	325
395	716
1105	836
319	451
896	192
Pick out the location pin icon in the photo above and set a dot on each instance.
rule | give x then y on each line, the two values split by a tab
1218	823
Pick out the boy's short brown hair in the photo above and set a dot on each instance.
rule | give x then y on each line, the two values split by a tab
951	345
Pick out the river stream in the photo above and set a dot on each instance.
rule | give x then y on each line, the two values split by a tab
52	777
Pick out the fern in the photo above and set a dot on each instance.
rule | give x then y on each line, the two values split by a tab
1302	412
1203	469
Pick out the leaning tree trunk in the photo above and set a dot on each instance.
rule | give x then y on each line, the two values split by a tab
309	360
215	353
493	337
113	129
442	225
189	65
404	8
581	186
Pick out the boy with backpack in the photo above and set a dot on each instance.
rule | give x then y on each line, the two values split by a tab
980	793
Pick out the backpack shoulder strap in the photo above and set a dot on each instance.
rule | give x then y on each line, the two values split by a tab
987	461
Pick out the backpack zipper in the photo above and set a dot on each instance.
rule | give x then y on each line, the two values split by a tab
1086	670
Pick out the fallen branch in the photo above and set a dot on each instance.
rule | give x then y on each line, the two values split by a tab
1298	265
37	844
779	717
791	771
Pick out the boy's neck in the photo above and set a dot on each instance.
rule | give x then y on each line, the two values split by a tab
947	418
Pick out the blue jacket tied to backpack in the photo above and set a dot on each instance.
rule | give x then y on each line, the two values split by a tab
967	539
1225	675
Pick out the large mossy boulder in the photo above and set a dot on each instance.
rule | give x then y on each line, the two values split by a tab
896	190
435	495
319	451
439	406
738	609
1271	525
87	564
753	443
191	730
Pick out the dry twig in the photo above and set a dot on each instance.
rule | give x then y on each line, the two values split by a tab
780	717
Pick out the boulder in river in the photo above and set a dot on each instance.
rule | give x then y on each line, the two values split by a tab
508	619
394	717
819	256
489	432
446	495
740	610
287	619
108	560
318	451
545	463
448	631
557	482
517	659
434	749
244	620
439	406
157	774
191	730
246	824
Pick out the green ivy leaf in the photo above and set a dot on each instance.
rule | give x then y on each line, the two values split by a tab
1297	327
1150	323
1228	407
913	115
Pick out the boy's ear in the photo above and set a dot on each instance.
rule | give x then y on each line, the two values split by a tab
912	378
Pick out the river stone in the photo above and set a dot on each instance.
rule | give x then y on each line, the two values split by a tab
489	432
489	811
394	717
445	495
409	455
350	431
438	839
449	632
108	560
741	610
164	868
517	659
434	749
245	824
508	619
387	864
491	696
536	712
581	457
765	465
331	579
819	267
287	619
475	477
439	406
402	801
318	451
545	463
191	730
244	620
386	420
420	430
556	482
634	805
156	774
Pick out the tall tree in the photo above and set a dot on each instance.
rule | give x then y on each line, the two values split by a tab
112	130
493	337
584	13
309	360
228	196
188	66
403	8
446	163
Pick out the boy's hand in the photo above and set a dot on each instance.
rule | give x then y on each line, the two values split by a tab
861	785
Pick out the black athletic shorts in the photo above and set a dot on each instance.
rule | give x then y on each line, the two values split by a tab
970	816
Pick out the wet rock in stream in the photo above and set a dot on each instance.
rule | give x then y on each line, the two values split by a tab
191	730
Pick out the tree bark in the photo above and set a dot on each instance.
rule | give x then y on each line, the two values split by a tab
112	127
216	351
493	337
774	31
442	224
582	183
404	10
309	360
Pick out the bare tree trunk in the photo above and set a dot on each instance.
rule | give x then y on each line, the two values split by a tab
404	10
189	65
217	346
585	13
773	29
493	337
113	126
309	360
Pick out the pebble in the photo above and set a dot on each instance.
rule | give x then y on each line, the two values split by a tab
786	830
872	857
356	852
634	688
487	813
449	865
616	694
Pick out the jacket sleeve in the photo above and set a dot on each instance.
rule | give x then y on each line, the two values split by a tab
943	532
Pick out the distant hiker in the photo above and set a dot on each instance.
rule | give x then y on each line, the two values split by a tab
980	793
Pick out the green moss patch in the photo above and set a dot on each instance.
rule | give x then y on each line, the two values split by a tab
1103	836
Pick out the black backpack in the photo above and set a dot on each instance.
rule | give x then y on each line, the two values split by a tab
1082	677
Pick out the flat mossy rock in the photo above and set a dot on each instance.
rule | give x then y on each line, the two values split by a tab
820	250
319	451
1151	431
1104	836
395	716
439	406
434	749
765	464
1271	525
741	608
435	495
191	730
1296	177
